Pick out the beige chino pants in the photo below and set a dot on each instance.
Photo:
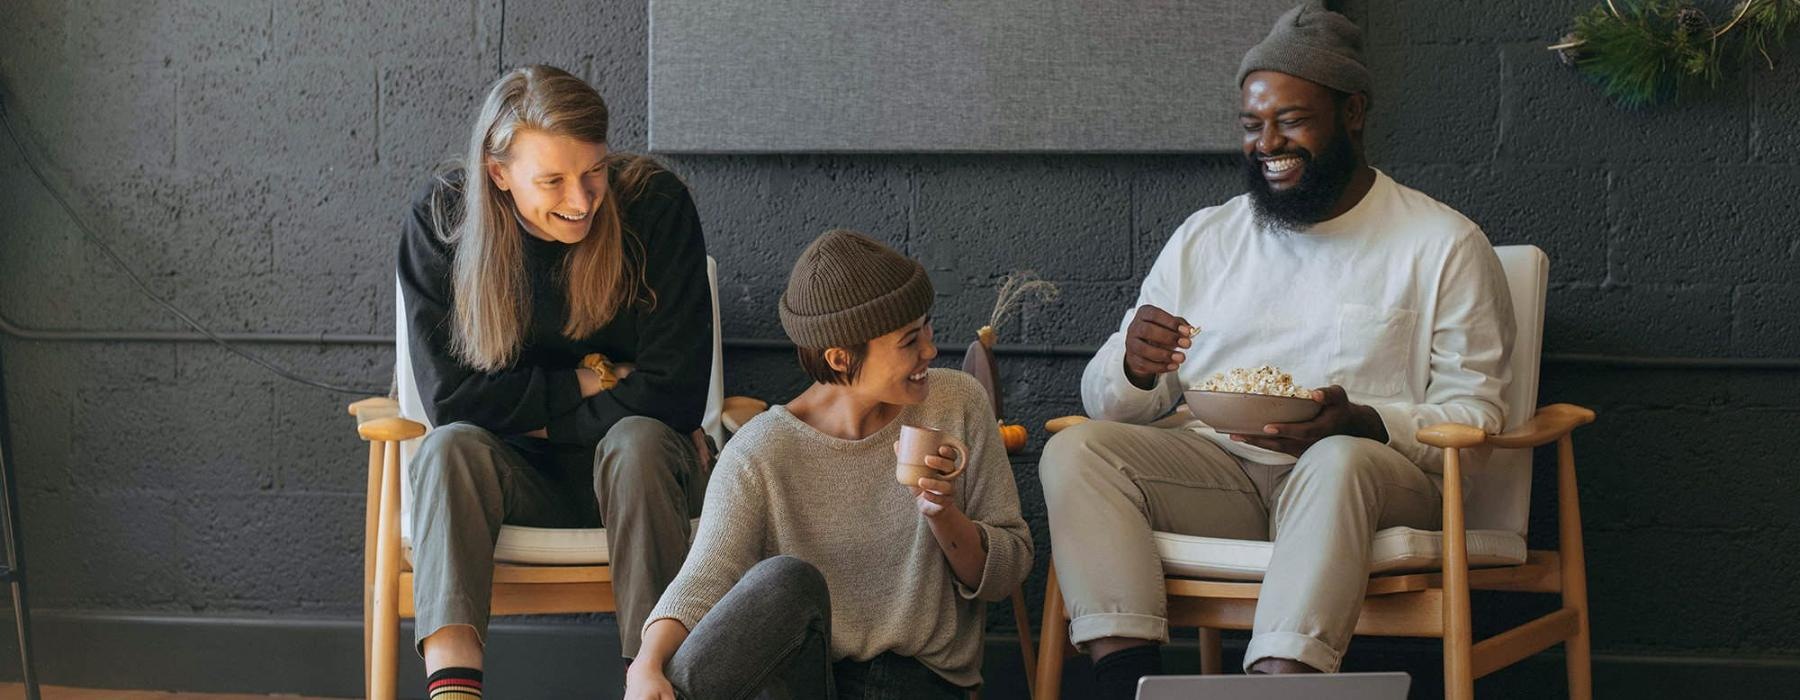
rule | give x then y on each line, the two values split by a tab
1108	485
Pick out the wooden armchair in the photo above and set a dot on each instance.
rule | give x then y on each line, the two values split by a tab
537	571
1420	586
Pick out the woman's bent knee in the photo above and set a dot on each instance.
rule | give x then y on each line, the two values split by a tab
792	574
449	451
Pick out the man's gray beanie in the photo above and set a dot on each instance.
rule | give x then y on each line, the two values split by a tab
1315	44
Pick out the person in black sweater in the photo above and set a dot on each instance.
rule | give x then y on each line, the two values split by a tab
560	330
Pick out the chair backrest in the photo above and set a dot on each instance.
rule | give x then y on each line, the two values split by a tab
412	404
1500	486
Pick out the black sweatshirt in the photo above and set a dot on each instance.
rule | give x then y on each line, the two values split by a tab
671	344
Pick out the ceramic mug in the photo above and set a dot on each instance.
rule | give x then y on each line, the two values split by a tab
916	443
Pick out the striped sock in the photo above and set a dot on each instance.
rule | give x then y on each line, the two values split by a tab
454	684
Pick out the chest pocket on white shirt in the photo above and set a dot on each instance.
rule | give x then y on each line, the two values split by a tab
1374	349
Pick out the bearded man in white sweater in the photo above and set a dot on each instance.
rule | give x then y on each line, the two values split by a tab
1392	302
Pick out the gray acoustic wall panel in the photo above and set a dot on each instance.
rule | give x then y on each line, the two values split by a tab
783	76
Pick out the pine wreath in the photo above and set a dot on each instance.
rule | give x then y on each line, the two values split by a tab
1646	52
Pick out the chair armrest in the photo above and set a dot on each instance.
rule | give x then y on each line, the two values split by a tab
1549	425
390	429
738	410
375	407
1177	417
1452	436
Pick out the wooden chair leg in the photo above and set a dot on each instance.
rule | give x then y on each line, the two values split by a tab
1027	650
1211	651
371	523
1053	636
1574	572
1459	669
384	670
368	632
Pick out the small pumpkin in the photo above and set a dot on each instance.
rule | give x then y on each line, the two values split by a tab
1013	436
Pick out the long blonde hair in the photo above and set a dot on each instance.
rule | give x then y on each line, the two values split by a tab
489	282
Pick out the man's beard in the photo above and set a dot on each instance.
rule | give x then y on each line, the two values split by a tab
1310	200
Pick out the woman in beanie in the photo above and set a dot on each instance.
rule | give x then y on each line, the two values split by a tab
814	573
519	271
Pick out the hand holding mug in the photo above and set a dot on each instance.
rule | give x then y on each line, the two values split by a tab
926	454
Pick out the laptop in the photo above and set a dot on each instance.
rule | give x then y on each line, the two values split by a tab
1308	686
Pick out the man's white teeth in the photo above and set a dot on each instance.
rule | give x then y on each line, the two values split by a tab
916	377
1281	165
568	217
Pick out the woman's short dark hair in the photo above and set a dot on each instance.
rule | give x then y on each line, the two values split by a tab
812	361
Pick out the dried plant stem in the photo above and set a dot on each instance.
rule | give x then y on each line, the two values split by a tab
1743	9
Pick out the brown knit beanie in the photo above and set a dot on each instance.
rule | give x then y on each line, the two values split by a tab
848	288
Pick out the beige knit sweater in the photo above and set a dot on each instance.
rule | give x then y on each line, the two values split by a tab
782	487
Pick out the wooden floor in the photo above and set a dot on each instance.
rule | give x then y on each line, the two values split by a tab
16	691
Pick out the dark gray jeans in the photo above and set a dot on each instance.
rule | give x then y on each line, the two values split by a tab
770	637
644	481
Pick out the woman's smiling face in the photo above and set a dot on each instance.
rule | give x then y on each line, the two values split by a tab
556	182
894	366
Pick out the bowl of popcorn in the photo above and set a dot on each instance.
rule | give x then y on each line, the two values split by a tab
1244	400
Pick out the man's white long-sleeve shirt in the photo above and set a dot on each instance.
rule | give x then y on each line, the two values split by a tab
1401	300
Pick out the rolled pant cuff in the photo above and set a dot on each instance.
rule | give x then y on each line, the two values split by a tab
1294	646
445	613
1088	628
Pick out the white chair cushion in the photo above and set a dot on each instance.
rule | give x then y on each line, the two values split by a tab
551	545
1396	550
566	546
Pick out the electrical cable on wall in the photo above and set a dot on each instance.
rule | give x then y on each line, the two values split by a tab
144	289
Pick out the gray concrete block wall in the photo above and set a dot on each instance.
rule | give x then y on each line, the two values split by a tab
251	159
